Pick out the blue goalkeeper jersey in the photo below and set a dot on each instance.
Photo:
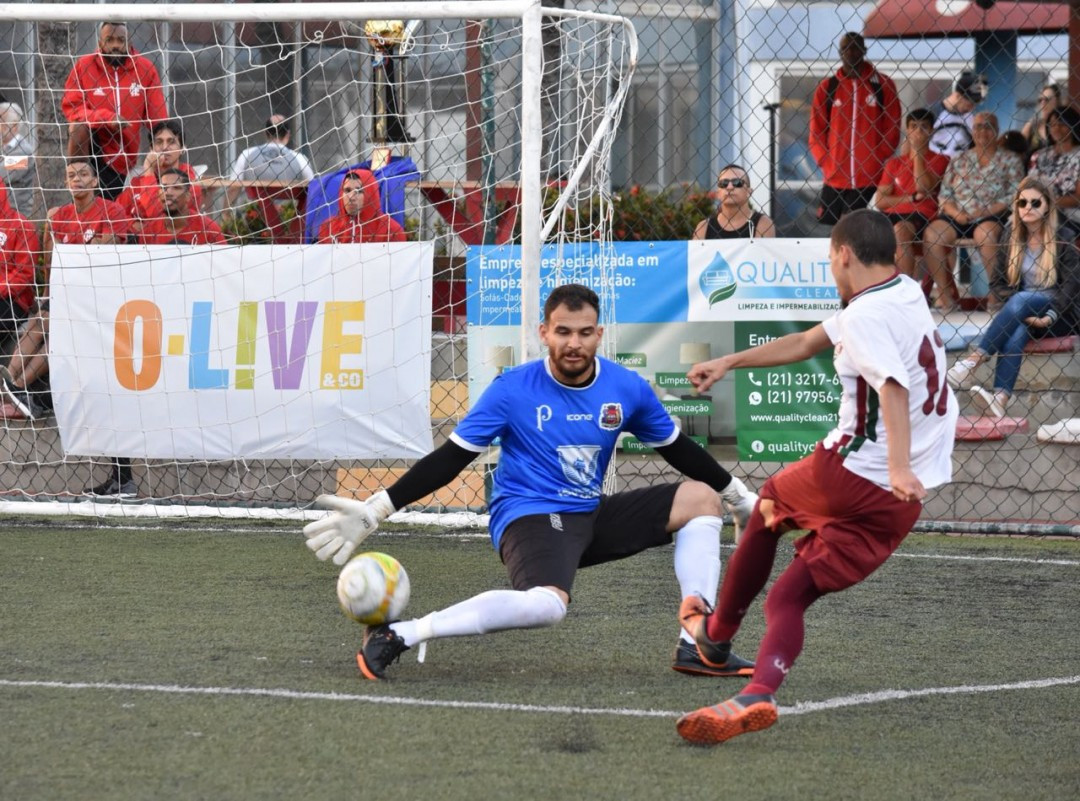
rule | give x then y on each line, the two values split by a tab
557	440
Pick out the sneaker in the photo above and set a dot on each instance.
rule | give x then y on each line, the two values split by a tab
987	402
716	657
113	488
959	373
16	395
715	724
688	660
381	648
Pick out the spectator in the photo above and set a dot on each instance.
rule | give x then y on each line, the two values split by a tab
272	161
19	249
360	218
1014	142
1059	166
1043	273
908	191
109	97
735	219
18	169
88	219
1036	131
141	198
180	222
854	129
954	117
975	198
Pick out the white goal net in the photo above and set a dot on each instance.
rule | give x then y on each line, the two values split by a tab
260	252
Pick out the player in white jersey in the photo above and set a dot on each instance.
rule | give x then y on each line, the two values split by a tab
557	421
859	493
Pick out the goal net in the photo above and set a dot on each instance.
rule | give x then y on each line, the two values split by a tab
316	344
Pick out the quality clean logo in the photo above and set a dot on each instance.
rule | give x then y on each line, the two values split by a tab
717	282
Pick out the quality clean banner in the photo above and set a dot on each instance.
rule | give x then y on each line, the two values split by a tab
211	352
674	301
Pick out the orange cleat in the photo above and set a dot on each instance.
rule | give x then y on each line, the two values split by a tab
716	724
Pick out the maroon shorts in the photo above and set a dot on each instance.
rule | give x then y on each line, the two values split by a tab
854	525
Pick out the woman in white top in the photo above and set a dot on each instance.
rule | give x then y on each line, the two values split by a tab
1044	275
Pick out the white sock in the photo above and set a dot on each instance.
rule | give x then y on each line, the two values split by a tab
697	559
494	610
734	492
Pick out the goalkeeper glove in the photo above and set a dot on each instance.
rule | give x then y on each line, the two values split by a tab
339	533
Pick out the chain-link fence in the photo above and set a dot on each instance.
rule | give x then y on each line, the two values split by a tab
808	101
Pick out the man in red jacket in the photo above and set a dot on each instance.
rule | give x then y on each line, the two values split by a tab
854	129
179	221
109	97
360	217
19	249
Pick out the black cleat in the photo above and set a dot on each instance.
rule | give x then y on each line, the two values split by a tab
381	648
688	660
715	657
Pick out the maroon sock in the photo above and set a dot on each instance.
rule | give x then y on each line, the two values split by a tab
785	609
746	574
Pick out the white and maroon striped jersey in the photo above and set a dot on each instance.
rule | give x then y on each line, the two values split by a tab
886	331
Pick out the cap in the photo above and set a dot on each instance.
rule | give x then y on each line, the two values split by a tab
971	86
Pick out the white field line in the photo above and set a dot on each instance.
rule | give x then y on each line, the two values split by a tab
1067	562
861	699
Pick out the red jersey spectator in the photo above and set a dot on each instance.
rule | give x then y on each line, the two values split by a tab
141	198
854	129
19	248
110	95
360	218
909	187
89	218
179	223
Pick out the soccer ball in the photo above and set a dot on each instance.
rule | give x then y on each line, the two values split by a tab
373	588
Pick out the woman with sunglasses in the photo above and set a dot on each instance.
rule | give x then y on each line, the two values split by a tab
735	219
1059	166
1043	275
1035	130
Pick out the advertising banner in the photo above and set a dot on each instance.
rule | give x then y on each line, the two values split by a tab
269	352
668	304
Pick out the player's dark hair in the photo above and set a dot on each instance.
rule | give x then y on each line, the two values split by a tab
573	297
920	115
115	23
173	126
183	177
869	234
89	161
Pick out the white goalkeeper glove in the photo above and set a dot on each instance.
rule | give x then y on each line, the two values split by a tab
339	533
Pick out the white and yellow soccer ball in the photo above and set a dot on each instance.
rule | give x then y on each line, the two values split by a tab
373	588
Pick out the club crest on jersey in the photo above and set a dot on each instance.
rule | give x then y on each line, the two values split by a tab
3	238
135	89
579	463
611	416
87	235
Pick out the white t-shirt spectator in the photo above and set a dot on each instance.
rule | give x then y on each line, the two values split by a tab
272	162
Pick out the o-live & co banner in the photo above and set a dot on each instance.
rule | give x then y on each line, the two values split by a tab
676	299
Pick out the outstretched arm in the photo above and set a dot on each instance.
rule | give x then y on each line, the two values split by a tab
894	407
339	533
785	350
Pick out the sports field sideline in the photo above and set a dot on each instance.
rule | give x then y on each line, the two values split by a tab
182	662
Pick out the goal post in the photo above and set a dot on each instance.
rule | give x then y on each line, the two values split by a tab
499	150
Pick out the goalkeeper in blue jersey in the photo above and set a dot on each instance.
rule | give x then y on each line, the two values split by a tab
557	420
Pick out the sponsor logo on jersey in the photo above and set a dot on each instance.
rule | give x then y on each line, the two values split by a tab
579	463
577	418
611	416
543	414
99	92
